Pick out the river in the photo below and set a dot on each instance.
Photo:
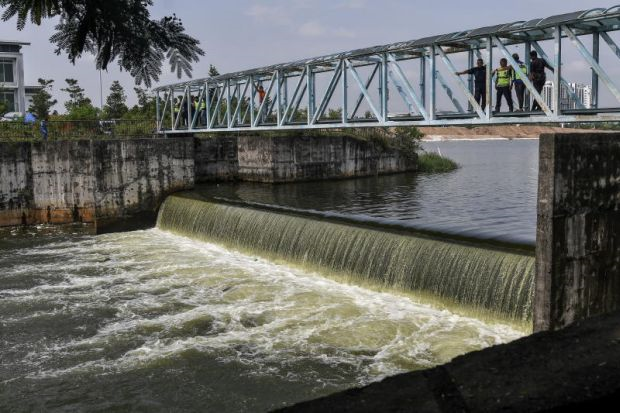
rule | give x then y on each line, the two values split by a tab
152	321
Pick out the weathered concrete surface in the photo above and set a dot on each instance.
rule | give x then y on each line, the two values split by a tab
15	183
216	159
119	184
132	178
575	369
578	230
300	158
101	182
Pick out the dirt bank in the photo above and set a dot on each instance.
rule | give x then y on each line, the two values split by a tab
487	132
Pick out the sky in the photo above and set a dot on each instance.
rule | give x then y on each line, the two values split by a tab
243	34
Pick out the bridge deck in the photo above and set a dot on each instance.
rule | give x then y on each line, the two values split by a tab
402	84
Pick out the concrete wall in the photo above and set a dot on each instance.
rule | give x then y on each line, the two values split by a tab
16	196
101	182
216	159
577	245
295	158
119	184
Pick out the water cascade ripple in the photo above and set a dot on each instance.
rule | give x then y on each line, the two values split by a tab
495	282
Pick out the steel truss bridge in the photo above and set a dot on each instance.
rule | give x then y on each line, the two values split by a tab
331	91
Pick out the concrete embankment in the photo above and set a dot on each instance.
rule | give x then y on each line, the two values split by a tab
119	184
99	182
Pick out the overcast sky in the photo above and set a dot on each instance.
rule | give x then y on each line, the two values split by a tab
243	34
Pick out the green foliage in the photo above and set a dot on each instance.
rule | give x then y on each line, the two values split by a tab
77	98
42	102
334	113
213	71
433	162
113	30
115	107
146	107
86	111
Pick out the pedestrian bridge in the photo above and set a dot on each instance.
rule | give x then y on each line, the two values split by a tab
410	83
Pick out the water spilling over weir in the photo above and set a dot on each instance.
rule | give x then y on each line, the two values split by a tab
479	278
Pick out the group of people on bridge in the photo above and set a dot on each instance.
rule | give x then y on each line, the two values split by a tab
507	78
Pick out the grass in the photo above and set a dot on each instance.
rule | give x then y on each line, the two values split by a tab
431	162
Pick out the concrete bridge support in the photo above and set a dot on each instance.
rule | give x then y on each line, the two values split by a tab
578	230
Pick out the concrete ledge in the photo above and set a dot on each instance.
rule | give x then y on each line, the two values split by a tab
578	367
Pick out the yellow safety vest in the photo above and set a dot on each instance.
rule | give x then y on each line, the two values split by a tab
503	77
523	68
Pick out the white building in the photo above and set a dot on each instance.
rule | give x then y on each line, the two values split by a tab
582	92
13	92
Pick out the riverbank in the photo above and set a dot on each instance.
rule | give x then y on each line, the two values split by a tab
492	132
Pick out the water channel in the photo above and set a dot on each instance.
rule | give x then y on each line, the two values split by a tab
153	321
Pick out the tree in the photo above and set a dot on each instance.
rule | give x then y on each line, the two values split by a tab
213	71
77	97
113	30
115	106
42	101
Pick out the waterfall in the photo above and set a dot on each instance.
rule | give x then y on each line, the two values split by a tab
487	281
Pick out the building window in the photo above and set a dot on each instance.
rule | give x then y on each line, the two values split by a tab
6	71
8	100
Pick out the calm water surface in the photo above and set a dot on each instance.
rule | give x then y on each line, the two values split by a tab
492	195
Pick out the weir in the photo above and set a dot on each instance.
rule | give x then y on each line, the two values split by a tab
490	282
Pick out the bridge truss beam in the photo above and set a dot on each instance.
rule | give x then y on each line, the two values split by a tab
330	91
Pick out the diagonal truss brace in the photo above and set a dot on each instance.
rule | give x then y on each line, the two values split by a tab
364	90
567	87
592	62
261	108
526	81
328	93
461	83
445	86
409	89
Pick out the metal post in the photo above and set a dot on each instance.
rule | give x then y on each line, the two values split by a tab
384	88
345	98
189	106
596	55
433	86
311	98
157	111
489	78
252	93
470	78
423	80
278	97
207	105
527	60
557	79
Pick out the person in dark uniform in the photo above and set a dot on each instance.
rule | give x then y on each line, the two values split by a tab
538	75
480	81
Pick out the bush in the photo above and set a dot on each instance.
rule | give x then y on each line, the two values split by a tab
432	163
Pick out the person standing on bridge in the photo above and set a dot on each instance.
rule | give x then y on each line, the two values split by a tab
503	84
517	82
538	75
480	82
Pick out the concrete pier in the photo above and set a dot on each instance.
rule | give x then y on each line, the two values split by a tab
578	229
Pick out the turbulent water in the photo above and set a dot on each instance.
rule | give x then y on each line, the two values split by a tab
485	280
150	321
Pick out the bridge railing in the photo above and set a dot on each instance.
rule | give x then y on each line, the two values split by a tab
378	87
78	129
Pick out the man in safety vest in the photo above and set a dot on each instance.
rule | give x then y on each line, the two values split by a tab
518	82
503	84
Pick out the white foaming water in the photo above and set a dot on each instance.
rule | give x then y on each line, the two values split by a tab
144	299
